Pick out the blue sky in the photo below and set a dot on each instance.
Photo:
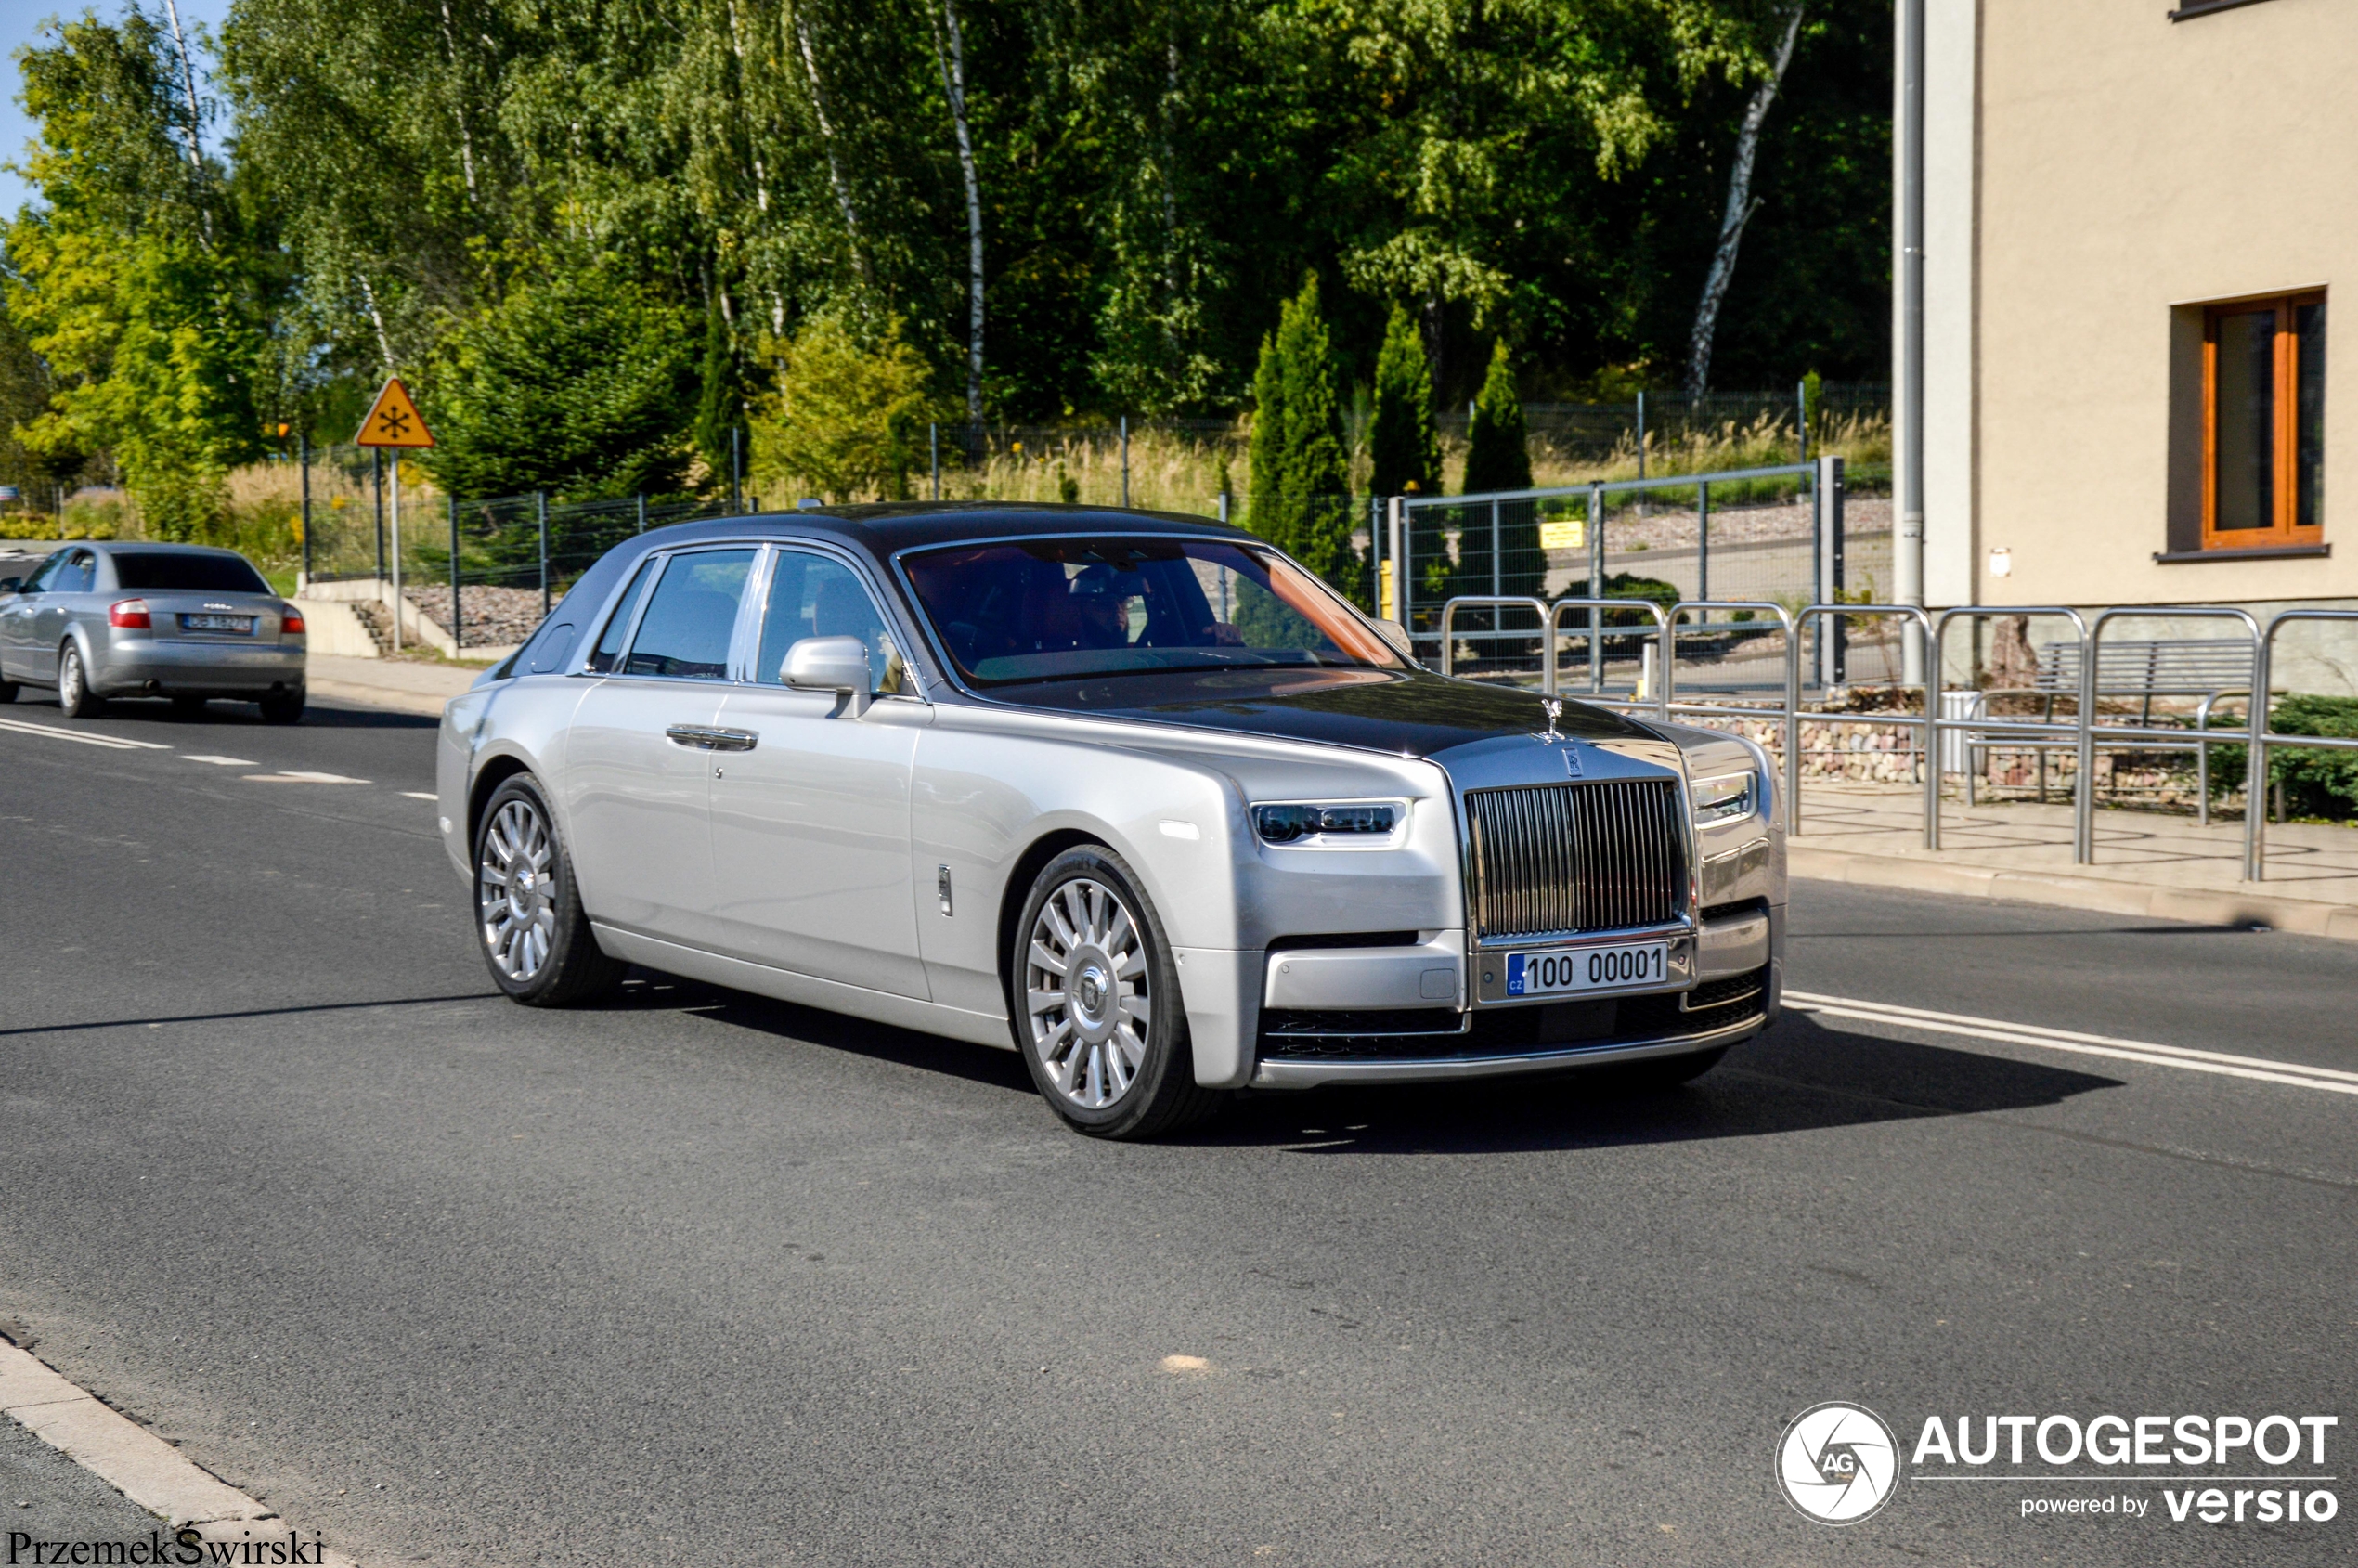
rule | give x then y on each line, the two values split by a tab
19	23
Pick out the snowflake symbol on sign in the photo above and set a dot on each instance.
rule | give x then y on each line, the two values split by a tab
393	423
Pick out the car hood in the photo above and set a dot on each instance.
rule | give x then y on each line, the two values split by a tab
1416	714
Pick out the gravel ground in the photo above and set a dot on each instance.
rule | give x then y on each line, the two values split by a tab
495	617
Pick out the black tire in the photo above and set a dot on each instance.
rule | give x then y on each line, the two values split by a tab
8	691
551	963
1668	1072
1124	973
282	710
188	708
75	699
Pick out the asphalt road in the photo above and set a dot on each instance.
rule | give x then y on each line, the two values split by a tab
700	1278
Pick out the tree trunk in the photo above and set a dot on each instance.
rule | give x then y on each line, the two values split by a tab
954	84
827	140
188	84
1741	206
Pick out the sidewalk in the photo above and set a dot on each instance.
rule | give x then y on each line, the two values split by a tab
2148	863
411	687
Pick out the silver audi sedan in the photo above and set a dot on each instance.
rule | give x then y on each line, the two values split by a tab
180	621
1135	796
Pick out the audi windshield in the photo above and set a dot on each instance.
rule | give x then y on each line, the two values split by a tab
1068	609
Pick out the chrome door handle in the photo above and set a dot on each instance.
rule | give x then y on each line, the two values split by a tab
706	737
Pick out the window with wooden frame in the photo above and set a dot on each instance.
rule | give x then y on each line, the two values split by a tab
2263	374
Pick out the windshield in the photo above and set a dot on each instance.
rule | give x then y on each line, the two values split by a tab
1067	609
197	574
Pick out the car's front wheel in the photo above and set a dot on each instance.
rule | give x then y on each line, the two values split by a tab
1097	1010
536	935
75	698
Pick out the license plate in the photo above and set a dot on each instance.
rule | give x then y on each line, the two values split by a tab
1587	968
218	623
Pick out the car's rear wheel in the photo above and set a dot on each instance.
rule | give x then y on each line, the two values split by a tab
1097	1009
282	710
536	936
8	691
75	698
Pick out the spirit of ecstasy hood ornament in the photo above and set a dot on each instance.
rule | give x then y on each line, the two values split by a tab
1555	711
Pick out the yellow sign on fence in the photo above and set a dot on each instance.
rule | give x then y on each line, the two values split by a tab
1568	532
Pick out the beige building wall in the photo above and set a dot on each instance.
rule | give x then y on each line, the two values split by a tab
2129	167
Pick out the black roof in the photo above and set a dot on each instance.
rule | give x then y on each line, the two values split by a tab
882	528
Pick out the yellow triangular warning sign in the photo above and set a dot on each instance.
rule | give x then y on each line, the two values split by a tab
394	420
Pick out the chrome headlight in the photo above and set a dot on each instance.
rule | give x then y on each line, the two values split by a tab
1339	824
1727	798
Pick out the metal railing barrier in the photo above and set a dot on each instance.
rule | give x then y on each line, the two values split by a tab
1914	618
2263	736
1979	731
2121	737
1650	689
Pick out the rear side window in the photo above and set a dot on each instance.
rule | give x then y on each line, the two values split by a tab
193	574
691	617
608	652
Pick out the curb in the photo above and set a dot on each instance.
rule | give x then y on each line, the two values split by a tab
2199	906
377	696
131	1459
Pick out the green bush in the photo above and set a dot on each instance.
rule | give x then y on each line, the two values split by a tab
2316	782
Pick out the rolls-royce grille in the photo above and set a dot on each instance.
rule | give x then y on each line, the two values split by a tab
1589	857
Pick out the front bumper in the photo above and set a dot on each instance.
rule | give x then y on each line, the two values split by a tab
197	670
1371	1014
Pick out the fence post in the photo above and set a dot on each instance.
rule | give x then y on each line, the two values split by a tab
303	445
736	478
1702	542
1223	506
540	507
1801	420
377	482
2255	755
397	549
1495	590
1375	553
1641	461
641	499
933	448
1126	459
1832	633
458	620
1596	582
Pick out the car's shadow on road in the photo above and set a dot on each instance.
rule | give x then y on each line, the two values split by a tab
229	715
1799	1077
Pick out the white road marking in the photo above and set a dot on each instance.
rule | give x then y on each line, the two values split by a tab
2264	1069
297	776
419	795
117	743
222	761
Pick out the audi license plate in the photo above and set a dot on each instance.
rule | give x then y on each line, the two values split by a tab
1587	968
240	624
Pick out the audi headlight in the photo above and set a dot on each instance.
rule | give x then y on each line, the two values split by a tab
1726	798
1338	824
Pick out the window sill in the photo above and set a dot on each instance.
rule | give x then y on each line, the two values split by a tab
2248	552
2189	9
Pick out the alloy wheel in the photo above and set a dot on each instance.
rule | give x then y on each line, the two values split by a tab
515	891
1085	980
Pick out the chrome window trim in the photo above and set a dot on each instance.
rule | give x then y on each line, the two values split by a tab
880	603
955	678
639	614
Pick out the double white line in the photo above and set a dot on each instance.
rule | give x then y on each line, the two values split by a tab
2331	1080
112	743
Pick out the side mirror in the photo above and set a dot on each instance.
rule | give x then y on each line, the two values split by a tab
1396	635
831	664
11	584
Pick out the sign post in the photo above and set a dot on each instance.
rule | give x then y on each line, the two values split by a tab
393	420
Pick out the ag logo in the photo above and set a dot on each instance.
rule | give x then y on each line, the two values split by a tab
1837	1462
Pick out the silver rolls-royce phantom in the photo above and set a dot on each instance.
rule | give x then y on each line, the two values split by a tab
1136	795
